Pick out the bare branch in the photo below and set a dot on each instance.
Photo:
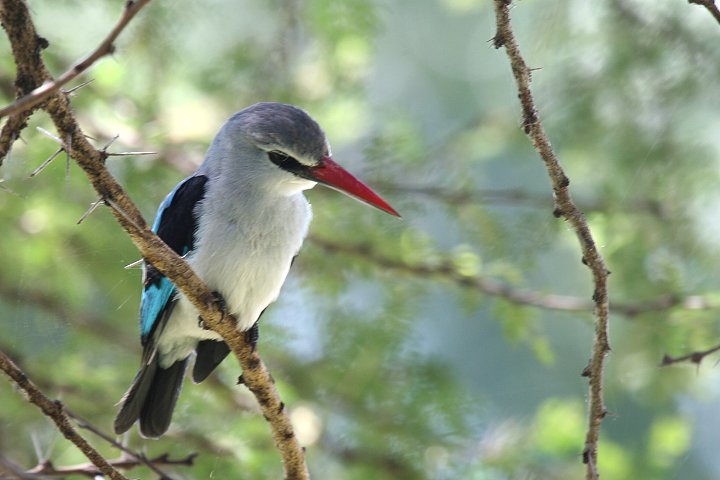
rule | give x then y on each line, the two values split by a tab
564	207
511	196
445	270
106	47
694	357
125	462
56	412
711	7
130	455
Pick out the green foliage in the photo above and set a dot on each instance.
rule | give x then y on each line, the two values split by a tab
392	364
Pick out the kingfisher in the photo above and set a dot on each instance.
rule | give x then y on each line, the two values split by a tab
239	220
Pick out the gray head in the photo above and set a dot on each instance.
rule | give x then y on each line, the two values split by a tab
280	145
283	128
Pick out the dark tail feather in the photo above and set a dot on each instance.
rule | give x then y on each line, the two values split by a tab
209	355
134	398
160	402
151	398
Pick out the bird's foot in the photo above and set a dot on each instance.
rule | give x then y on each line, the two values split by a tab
252	335
220	301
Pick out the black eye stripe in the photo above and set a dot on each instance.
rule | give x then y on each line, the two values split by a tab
286	162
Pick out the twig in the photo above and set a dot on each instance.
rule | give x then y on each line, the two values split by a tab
694	357
56	412
511	196
124	463
156	252
106	47
8	467
130	454
564	207
711	7
444	269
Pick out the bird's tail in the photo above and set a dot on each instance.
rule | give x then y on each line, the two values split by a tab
151	398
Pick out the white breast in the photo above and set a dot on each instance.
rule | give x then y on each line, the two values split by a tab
244	254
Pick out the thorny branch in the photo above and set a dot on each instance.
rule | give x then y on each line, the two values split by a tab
694	357
19	26
566	208
129	459
56	412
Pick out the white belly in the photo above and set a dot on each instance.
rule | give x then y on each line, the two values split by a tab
246	264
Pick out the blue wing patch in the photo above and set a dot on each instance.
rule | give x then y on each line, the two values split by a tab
154	300
176	222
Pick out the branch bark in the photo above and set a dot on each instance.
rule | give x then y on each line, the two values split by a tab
56	412
566	208
153	249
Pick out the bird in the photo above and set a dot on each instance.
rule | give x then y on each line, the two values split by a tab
239	221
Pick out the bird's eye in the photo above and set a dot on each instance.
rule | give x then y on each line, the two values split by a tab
285	161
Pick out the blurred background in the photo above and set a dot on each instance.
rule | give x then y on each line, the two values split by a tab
395	358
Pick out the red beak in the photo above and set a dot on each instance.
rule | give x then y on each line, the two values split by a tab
333	175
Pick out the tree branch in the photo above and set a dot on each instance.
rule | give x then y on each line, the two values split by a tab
564	207
130	459
155	251
511	196
711	7
694	357
56	411
125	462
106	47
445	270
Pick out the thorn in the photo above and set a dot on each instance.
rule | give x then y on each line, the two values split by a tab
49	135
128	154
46	162
134	264
90	210
78	87
104	149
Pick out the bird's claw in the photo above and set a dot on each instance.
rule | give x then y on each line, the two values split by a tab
220	301
252	335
